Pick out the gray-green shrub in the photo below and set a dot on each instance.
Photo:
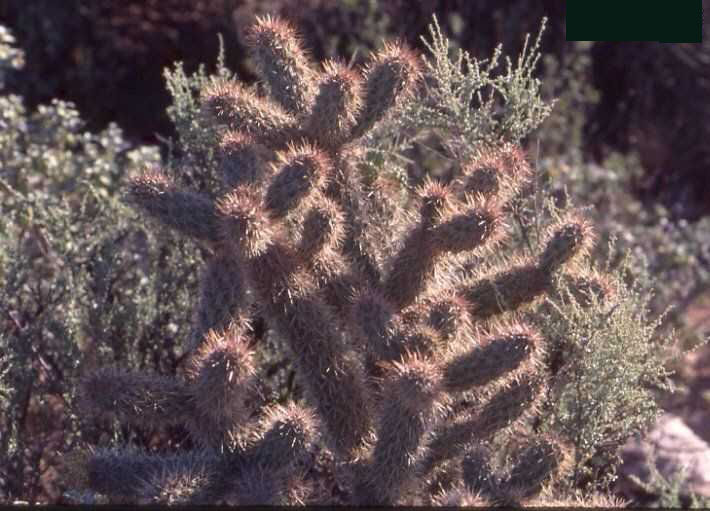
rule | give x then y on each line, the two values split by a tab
82	283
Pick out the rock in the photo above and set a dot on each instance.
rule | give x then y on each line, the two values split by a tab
674	446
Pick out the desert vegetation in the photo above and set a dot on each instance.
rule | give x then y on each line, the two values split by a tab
347	283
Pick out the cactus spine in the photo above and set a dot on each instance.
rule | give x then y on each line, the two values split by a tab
383	351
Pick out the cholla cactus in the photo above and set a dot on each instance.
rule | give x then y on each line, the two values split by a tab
409	369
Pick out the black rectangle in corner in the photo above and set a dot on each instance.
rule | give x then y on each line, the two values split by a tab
668	21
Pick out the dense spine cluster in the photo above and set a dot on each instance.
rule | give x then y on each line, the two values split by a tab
383	350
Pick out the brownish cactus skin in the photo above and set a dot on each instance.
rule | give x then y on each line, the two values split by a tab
282	62
222	291
190	213
382	349
220	373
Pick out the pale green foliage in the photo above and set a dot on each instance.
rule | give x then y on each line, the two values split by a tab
676	252
81	282
195	145
10	57
475	98
669	492
464	102
613	362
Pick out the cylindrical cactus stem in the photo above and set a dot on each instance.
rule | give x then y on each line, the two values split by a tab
300	171
139	476
504	409
450	317
149	400
507	290
494	172
543	460
120	473
411	402
243	160
237	108
591	500
335	278
478	475
336	105
498	357
333	378
187	212
244	223
320	239
255	485
345	189
180	480
447	476
446	226
423	339
220	374
222	296
528	280
285	437
390	75
323	227
482	176
467	225
584	285
282	63
413	266
376	328
516	402
433	198
517	169
460	496
566	239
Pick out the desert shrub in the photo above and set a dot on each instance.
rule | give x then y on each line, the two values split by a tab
11	58
82	283
675	251
453	340
103	45
668	492
591	396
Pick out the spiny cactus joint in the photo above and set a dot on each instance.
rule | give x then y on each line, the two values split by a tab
383	352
